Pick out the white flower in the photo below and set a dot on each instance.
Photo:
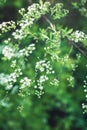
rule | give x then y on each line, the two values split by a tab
78	36
8	52
25	82
27	51
9	86
41	87
3	78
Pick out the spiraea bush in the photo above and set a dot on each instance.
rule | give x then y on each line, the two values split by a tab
38	58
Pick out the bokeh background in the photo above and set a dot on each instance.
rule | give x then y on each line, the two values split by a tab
58	108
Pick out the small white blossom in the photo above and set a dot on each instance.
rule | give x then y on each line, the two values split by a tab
55	82
13	65
71	81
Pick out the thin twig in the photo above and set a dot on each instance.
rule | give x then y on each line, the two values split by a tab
77	47
47	20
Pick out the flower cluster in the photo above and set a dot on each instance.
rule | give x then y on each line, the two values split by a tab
22	11
8	52
40	82
25	82
6	26
78	36
84	106
42	66
12	78
43	69
71	81
55	82
7	41
9	80
33	13
13	63
27	51
85	87
3	79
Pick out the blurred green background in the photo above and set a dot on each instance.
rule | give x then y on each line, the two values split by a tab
59	108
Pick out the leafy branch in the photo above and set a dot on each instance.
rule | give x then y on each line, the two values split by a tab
69	41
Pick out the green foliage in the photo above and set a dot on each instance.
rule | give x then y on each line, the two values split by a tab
81	6
2	2
39	60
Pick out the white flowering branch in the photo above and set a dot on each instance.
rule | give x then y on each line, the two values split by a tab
30	70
